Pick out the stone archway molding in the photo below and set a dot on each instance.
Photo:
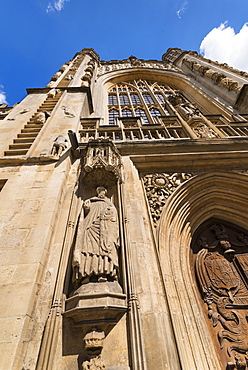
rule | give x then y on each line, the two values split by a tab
217	194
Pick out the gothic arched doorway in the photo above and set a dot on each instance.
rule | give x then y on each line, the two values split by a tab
220	254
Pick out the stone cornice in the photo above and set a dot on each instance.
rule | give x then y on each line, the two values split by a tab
45	90
217	64
134	63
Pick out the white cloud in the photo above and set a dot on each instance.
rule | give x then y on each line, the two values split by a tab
57	5
182	9
225	46
50	8
2	96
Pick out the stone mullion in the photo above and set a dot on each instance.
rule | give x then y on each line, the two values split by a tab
156	104
141	105
118	100
146	106
212	126
184	124
131	103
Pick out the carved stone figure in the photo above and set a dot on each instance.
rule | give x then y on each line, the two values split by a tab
52	93
95	255
59	145
93	345
203	131
221	266
56	76
24	110
183	107
95	363
69	77
40	118
68	111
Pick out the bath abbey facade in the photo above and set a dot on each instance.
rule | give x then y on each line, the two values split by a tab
124	223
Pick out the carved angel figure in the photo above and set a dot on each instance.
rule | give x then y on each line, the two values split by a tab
95	254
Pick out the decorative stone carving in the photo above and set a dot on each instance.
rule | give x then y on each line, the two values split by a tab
88	73
52	93
102	164
218	78
25	110
68	111
69	77
158	187
136	63
221	267
56	76
95	254
51	84
93	346
97	298
40	118
63	67
188	63
59	145
203	131
184	108
230	84
223	65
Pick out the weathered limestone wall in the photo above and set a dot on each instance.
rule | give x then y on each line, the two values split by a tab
30	208
59	123
17	118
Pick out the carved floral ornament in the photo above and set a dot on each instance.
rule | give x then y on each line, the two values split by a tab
221	267
158	187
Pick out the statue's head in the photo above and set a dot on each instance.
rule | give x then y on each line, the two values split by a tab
101	191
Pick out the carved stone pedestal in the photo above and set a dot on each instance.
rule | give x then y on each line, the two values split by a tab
96	308
96	304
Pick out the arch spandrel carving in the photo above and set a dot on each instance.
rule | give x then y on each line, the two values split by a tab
220	254
196	201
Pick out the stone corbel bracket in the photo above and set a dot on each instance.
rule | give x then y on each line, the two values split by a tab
97	305
95	309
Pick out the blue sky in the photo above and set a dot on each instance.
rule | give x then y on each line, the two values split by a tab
38	36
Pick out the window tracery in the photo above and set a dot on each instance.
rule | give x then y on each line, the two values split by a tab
139	98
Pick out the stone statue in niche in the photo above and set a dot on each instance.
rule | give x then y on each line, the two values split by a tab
222	271
95	255
59	145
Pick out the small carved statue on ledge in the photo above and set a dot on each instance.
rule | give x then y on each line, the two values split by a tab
59	145
95	255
